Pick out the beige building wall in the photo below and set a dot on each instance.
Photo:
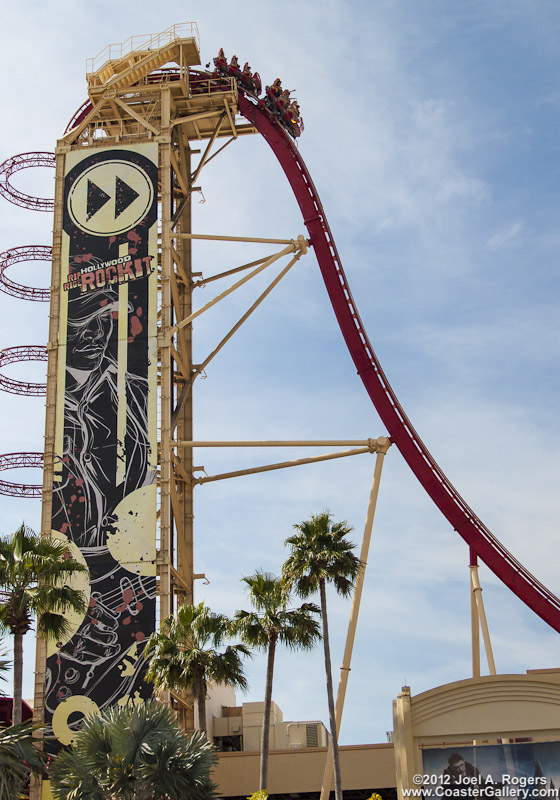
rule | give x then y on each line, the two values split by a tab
246	721
252	725
474	711
297	770
293	766
481	711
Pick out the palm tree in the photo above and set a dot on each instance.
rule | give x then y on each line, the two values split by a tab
134	753
18	757
33	571
272	621
183	655
321	554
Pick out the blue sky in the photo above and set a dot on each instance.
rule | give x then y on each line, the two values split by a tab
431	135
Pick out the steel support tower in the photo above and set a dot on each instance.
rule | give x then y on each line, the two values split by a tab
132	100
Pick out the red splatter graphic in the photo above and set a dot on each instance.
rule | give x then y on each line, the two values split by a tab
86	258
128	596
132	237
135	326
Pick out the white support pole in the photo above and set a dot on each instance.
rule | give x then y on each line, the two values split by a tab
283	465
475	620
353	621
477	592
371	443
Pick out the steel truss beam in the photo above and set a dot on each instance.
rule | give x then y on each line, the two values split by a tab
360	445
299	246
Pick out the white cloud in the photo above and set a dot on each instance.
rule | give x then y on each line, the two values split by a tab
505	238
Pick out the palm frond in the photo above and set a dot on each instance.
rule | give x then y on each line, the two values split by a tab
34	572
18	757
134	752
320	551
188	644
271	618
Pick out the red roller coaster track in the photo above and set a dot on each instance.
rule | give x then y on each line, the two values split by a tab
15	164
23	352
481	541
18	255
16	461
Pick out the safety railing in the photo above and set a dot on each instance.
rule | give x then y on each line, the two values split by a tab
148	41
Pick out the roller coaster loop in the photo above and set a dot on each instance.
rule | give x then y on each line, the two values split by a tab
16	255
12	355
15	164
16	461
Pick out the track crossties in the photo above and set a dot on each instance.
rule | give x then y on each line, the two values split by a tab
17	461
19	255
17	163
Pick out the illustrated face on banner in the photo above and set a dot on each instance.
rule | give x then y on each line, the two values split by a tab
104	489
89	330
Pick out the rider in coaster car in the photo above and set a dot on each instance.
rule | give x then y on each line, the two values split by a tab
284	98
294	111
247	70
234	64
221	60
276	88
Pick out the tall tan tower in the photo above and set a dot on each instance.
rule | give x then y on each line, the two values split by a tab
120	370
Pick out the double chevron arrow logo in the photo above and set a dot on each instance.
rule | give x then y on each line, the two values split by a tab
110	197
124	196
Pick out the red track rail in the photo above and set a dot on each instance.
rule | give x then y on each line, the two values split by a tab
16	461
23	161
481	541
23	352
18	255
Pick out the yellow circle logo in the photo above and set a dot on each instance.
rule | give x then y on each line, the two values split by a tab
110	197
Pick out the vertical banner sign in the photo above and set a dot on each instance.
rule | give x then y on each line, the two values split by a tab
104	492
